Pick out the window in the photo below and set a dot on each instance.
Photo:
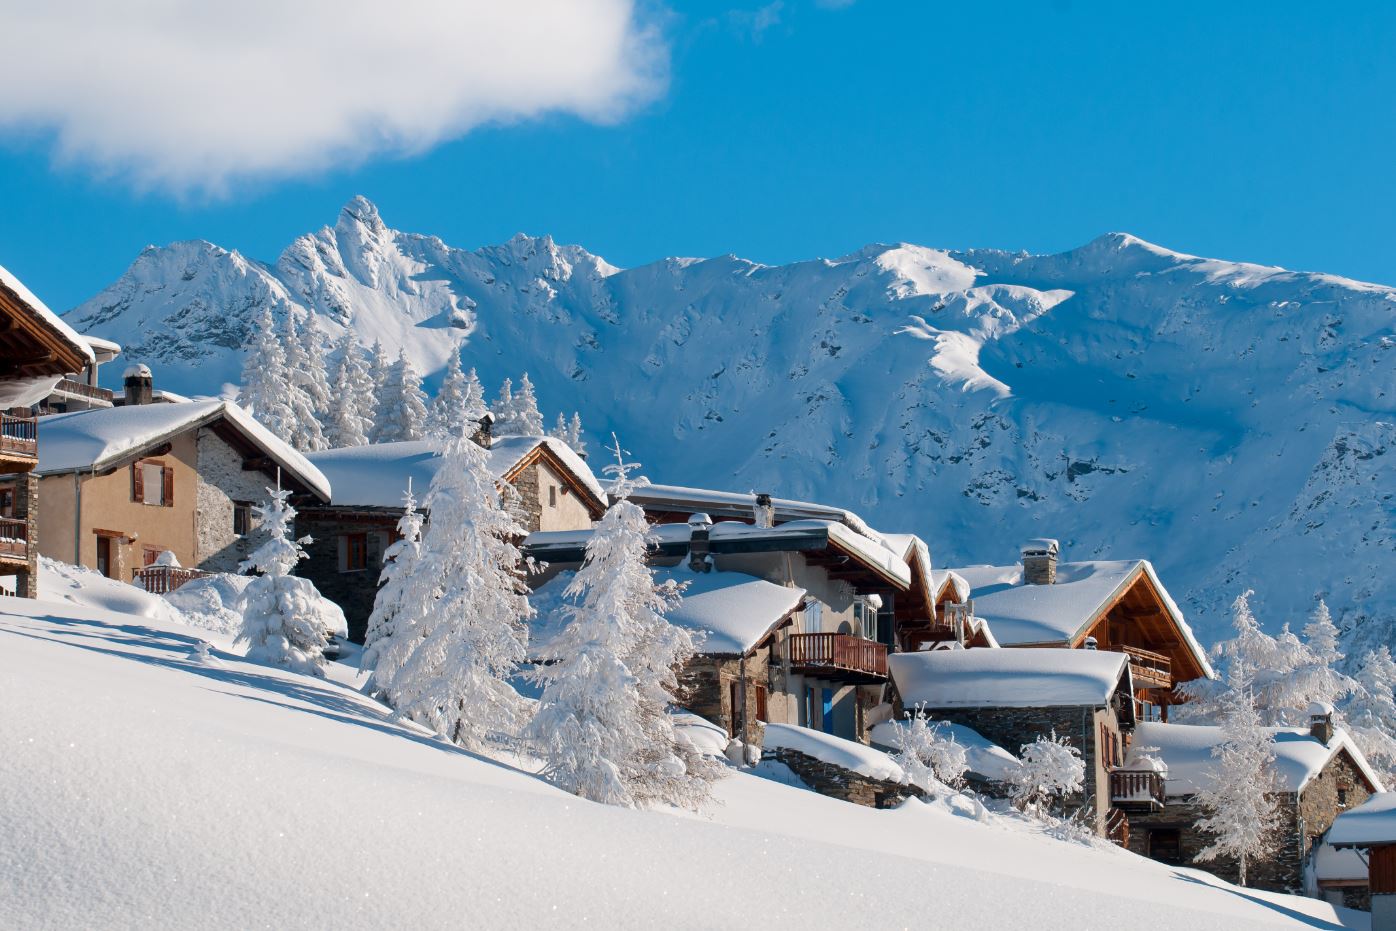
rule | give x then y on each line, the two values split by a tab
353	552
552	496
866	614
242	518
1342	796
814	618
150	553
152	482
761	707
1166	845
7	503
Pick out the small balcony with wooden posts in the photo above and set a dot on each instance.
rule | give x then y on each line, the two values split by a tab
14	540
19	443
843	657
1137	790
1150	670
160	580
79	395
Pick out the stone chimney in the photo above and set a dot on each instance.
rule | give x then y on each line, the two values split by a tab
484	430
1321	721
698	527
139	385
765	511
1040	562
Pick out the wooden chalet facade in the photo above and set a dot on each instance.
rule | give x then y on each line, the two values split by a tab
36	350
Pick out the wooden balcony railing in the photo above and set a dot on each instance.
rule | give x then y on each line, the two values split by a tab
1137	789
1149	669
84	390
838	655
161	579
19	435
14	538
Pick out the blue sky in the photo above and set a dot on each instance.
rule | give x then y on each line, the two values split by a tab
1261	132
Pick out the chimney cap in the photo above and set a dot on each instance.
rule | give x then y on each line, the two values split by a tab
137	370
1042	546
699	520
763	498
1320	709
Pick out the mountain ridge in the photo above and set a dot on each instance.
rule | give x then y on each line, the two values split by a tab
1229	420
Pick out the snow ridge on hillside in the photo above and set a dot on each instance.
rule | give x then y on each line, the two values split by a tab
1230	421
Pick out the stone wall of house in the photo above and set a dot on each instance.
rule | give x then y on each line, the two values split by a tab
26	508
1319	803
527	501
1281	872
837	782
222	481
705	688
352	591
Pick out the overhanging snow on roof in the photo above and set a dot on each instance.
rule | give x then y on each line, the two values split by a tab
1372	823
1007	678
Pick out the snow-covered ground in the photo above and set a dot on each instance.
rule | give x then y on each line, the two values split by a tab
141	785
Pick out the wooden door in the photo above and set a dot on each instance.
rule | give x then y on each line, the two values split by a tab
104	560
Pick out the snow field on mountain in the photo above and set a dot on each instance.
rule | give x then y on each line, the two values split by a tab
144	785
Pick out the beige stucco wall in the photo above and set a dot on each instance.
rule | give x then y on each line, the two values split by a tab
568	513
836	595
107	504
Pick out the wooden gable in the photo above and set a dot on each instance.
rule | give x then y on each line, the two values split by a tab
29	345
1138	617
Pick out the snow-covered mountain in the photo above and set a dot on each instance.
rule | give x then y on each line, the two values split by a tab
1233	422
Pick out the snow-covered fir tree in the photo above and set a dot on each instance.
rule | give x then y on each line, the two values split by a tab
284	618
460	630
1240	810
380	371
602	726
305	434
559	430
474	395
929	753
528	419
504	410
570	432
1051	770
315	378
402	411
264	379
453	406
399	562
1370	710
1318	676
351	413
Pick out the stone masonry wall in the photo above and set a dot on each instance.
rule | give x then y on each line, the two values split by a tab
221	481
705	687
26	508
352	591
837	782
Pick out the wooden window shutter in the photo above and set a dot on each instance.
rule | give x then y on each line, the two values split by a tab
167	476
137	483
343	552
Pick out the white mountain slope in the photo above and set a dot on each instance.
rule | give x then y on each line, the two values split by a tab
1230	421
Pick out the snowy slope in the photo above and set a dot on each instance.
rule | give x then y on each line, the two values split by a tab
142	787
1232	422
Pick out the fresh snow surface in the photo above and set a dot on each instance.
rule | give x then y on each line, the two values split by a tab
1340	863
836	751
1187	751
1372	822
93	439
64	582
728	612
1006	678
162	789
702	735
985	757
377	475
1022	613
216	602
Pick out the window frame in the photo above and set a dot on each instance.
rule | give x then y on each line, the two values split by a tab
361	538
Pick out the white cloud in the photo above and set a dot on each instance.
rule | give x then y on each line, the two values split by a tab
193	96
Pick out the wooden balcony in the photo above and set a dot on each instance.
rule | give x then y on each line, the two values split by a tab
19	443
1150	670
1137	790
839	656
14	539
159	580
95	396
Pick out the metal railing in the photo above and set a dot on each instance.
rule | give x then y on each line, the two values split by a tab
1136	788
19	434
838	652
159	580
14	537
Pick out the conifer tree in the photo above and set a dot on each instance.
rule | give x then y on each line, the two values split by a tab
460	629
315	379
283	622
305	433
351	411
559	430
574	435
474	397
1241	811
1317	678
1370	711
505	411
264	379
451	406
528	419
399	562
380	371
602	726
402	414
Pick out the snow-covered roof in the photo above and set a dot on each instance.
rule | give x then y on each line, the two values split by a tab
1007	678
48	317
731	611
376	475
728	503
104	350
1021	613
1372	822
943	577
874	553
836	751
1334	864
101	437
1187	750
985	757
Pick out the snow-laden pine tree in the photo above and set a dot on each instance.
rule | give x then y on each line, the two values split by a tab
265	379
505	410
1370	711
929	753
353	403
306	433
528	419
453	407
474	396
559	430
1318	678
283	618
380	370
602	726
575	439
399	562
1052	769
316	377
402	413
1240	809
460	629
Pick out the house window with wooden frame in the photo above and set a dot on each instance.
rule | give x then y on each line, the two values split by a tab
353	552
242	518
152	483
